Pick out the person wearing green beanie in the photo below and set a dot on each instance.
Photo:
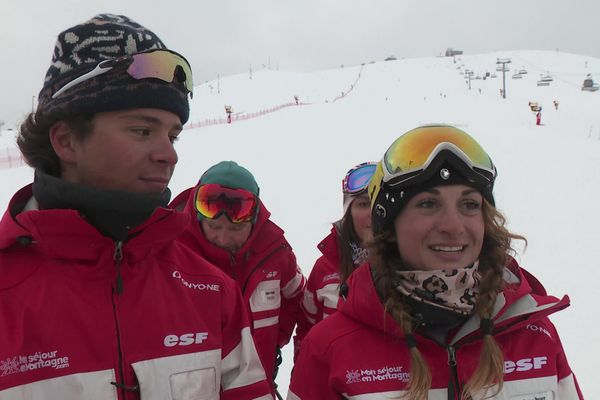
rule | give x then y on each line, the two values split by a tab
232	175
232	230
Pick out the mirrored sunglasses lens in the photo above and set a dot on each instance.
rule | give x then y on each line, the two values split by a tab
213	200
360	177
244	211
161	65
207	208
411	151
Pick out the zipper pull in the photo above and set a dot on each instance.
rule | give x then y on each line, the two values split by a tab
453	383
451	356
118	257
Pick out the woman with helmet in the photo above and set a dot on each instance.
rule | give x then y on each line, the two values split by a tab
442	310
343	249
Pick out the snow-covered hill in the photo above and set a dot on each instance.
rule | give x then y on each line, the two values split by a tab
548	183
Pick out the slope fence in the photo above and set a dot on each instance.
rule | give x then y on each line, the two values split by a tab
240	116
256	114
352	86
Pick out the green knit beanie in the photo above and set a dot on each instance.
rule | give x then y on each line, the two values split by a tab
231	175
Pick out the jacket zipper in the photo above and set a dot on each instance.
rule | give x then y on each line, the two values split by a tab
233	264
454	386
118	257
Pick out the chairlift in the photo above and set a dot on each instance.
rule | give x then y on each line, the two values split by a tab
545	80
517	76
589	85
523	71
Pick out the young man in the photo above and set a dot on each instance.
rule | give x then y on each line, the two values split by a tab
235	233
97	300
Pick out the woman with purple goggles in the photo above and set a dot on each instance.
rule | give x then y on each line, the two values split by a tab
343	249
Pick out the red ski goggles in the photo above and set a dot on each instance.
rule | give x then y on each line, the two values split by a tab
162	64
213	200
357	179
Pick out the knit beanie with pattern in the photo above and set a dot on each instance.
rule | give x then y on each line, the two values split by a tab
79	49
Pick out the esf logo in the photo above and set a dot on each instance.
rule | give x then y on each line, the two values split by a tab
525	364
186	339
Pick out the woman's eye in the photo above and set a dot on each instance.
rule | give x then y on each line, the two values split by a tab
427	204
472	205
364	204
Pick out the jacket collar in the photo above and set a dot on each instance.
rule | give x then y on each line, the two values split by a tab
65	234
115	213
523	298
329	245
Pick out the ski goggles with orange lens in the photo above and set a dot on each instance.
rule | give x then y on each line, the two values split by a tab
357	179
162	64
413	153
213	200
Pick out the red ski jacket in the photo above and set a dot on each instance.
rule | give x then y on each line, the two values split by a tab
322	288
84	317
360	353
267	273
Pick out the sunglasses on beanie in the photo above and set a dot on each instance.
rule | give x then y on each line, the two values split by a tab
162	64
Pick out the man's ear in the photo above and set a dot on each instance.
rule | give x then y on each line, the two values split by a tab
63	141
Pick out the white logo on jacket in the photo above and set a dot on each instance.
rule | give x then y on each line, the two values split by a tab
352	376
375	375
525	364
196	286
38	360
185	340
335	276
536	328
271	274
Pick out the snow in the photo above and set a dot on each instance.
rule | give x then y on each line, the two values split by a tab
547	186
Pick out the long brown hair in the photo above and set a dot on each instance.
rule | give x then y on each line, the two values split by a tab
495	254
346	235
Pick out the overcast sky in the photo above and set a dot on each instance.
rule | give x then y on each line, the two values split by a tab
226	37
